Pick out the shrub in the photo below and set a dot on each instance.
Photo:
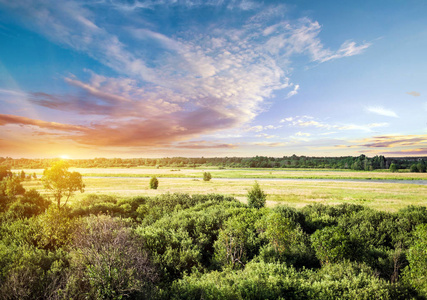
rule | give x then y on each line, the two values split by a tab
109	262
256	196
207	176
393	168
154	183
331	244
417	257
414	168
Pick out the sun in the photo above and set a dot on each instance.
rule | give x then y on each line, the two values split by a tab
64	156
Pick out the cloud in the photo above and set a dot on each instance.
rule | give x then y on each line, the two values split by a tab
299	133
13	93
267	136
409	152
307	121
192	82
293	92
23	121
266	144
348	48
204	145
394	141
153	4
379	110
260	128
413	93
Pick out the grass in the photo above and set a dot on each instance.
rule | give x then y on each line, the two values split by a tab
243	173
378	195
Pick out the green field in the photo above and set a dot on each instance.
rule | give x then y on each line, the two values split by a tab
142	172
294	191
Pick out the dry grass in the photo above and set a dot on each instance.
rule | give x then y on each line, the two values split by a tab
296	193
243	173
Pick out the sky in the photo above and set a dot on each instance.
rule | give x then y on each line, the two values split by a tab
193	78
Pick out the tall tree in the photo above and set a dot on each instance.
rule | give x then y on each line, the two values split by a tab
62	182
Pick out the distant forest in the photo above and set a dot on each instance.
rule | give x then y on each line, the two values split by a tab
362	162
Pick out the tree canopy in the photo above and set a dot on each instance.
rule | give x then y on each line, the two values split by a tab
61	182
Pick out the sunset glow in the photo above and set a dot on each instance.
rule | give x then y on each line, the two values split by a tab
212	78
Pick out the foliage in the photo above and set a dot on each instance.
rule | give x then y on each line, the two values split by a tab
62	182
31	204
108	261
278	281
5	172
361	162
256	196
11	187
393	168
54	228
154	183
180	246
417	257
331	244
207	176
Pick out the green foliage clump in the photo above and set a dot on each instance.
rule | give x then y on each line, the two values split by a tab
31	204
108	262
393	168
256	196
415	273
207	176
331	244
277	281
154	183
54	228
238	241
11	187
62	182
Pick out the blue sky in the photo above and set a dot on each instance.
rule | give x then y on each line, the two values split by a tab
208	78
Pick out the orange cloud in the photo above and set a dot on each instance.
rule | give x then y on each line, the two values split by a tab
11	119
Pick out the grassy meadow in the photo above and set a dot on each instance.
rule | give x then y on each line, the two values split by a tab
236	182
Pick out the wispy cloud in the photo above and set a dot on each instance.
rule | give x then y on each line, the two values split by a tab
408	152
197	83
394	141
267	144
153	4
293	92
266	136
379	110
23	121
260	128
308	121
204	145
413	93
399	145
299	133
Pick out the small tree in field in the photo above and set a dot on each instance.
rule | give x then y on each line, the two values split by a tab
207	176
62	182
256	196
154	183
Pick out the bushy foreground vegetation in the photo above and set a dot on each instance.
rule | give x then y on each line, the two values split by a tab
177	246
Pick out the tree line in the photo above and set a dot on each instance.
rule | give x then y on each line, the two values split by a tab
180	246
362	162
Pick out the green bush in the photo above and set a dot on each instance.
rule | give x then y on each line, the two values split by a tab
256	196
108	262
415	273
207	176
154	183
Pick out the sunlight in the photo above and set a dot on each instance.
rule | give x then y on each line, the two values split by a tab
64	156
